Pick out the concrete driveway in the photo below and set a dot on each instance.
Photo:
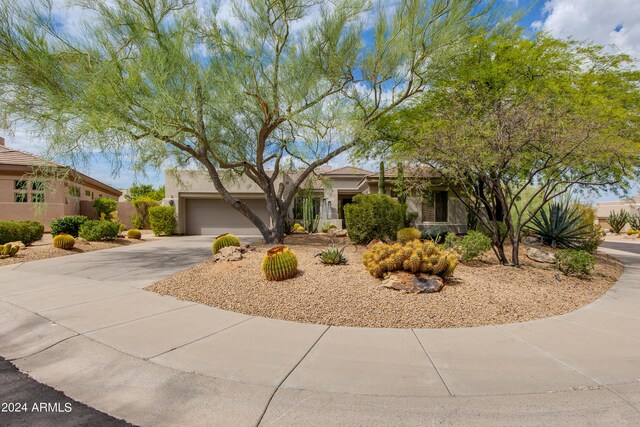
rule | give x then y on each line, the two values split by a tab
83	325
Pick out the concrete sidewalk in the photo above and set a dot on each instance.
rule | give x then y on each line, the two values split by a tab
83	325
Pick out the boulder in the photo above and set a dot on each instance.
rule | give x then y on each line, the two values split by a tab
230	253
530	240
413	283
81	242
337	232
539	255
247	248
373	243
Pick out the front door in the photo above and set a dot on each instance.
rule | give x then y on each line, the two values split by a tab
343	203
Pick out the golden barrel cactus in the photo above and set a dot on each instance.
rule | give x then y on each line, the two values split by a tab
280	263
414	256
134	233
408	234
224	240
64	241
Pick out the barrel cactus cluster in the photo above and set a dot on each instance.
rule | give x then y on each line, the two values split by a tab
8	250
64	241
415	257
134	233
224	240
280	263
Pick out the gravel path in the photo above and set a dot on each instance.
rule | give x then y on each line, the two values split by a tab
480	293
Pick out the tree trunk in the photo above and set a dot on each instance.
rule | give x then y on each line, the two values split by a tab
498	249
515	252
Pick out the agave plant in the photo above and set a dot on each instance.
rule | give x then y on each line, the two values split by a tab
333	256
559	224
634	221
617	220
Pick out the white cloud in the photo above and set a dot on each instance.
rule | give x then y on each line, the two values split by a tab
604	22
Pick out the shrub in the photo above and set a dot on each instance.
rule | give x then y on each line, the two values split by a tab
559	224
104	207
26	232
142	205
134	233
64	241
373	216
435	233
595	234
67	225
162	220
452	241
333	256
617	220
280	263
634	222
96	230
224	240
473	245
410	218
575	262
415	256
408	234
327	226
8	250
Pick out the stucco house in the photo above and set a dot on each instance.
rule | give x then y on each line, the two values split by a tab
201	210
24	196
603	209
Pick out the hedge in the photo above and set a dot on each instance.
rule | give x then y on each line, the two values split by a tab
96	230
162	219
26	232
69	224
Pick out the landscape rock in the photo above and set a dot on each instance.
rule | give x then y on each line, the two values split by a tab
530	240
335	232
230	253
247	248
413	283
81	242
539	255
373	243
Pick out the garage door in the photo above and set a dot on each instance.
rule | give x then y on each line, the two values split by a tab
214	216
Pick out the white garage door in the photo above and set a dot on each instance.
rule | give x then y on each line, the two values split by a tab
214	216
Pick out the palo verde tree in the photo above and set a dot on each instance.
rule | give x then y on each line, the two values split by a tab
234	93
516	122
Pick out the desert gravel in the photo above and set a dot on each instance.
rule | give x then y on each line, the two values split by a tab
480	293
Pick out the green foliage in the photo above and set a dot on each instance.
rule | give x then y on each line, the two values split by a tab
162	220
408	234
327	226
134	233
309	221
410	217
69	224
26	232
634	221
617	220
333	256
155	78
144	191
224	240
373	216
435	233
280	263
96	230
8	250
560	224
141	218
64	241
381	183
473	245
104	207
595	234
577	262
416	257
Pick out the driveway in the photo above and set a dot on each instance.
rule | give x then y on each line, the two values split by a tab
83	325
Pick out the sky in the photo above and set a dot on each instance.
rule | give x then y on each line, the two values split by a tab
614	23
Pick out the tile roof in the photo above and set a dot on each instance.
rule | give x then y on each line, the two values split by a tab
347	170
10	156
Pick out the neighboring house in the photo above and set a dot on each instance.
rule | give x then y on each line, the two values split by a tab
25	194
603	209
201	210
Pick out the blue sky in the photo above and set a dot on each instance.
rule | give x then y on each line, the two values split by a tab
604	22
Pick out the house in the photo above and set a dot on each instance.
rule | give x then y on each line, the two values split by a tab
34	188
603	209
201	210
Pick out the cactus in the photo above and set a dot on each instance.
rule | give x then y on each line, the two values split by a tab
333	256
408	234
414	256
224	240
5	249
134	233
279	263
64	241
309	222
8	250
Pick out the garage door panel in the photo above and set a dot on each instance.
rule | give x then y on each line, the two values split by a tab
215	216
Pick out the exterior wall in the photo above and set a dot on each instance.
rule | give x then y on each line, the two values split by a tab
457	218
603	209
332	191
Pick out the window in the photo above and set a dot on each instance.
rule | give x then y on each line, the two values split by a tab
87	193
20	185
37	186
435	207
20	197
74	191
37	197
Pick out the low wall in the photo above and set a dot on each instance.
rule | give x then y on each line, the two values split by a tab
125	211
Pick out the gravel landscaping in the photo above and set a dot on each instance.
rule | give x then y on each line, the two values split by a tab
43	249
479	293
